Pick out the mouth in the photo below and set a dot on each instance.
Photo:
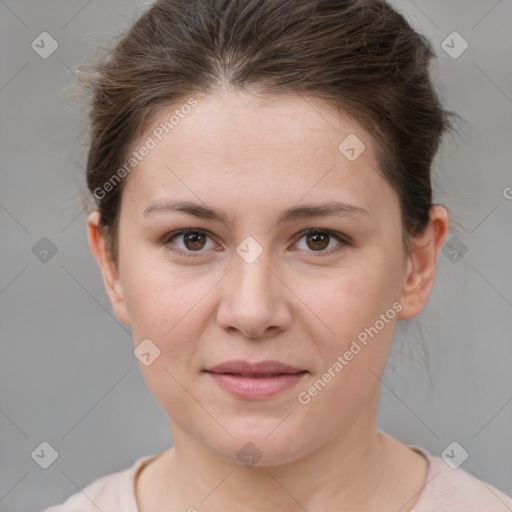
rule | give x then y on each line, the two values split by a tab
255	380
266	368
256	375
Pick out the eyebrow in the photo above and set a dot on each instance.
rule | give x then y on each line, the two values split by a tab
305	211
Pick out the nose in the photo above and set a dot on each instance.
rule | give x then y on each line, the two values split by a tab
254	300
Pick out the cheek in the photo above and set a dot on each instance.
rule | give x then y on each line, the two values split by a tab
352	358
357	310
353	299
160	297
168	310
173	310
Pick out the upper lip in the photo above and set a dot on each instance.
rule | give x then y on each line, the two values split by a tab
262	367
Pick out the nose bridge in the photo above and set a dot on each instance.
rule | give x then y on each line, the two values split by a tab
253	300
254	278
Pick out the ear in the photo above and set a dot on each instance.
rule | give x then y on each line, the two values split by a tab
422	263
108	268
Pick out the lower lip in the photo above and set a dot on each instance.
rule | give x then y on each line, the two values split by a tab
254	387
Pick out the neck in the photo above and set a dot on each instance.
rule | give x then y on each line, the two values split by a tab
344	473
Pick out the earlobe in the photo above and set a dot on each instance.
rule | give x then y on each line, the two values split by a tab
421	265
109	270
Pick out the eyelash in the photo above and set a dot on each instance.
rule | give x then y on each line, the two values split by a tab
344	241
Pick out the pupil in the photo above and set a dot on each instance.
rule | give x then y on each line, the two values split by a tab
318	237
193	238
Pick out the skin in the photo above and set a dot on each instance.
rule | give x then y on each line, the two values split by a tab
299	303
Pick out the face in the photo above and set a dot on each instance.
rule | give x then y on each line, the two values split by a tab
253	285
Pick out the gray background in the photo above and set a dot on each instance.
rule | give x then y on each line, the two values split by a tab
67	371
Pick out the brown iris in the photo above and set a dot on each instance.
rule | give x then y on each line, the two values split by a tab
321	240
194	240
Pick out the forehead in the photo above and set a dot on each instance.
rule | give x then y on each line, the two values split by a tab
280	147
228	122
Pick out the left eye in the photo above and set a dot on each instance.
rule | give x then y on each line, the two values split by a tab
319	239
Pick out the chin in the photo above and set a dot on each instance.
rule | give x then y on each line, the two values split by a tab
261	446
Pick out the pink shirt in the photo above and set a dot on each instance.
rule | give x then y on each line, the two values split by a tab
446	490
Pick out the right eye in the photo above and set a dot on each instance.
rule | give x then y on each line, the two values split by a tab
192	240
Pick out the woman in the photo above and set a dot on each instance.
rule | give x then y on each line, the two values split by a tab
264	219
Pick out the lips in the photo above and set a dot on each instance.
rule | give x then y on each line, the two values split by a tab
256	370
252	381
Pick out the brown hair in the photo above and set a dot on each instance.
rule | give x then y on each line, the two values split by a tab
361	56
